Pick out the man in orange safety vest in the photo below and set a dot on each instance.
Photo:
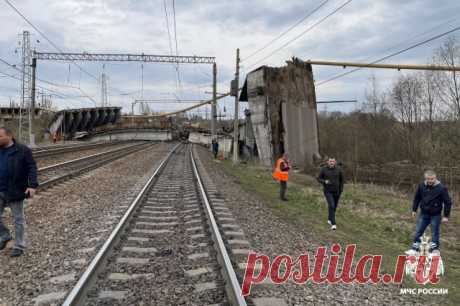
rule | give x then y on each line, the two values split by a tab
281	174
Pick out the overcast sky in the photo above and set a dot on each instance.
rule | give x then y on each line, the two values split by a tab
363	30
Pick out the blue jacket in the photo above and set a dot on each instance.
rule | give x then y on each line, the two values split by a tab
22	171
431	199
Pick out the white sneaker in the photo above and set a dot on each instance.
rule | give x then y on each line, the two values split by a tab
411	252
329	222
334	227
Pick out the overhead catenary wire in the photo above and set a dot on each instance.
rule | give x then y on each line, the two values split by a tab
177	48
171	52
46	37
391	55
38	79
84	94
57	93
52	44
167	28
310	13
335	11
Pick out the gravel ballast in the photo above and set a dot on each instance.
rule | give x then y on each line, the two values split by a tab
67	224
78	153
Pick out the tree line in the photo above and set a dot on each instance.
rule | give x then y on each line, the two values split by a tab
414	121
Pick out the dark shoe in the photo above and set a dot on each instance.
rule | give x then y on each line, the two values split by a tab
434	249
3	244
16	252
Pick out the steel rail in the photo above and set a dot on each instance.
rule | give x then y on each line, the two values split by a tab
54	151
55	146
78	292
112	155
69	162
233	286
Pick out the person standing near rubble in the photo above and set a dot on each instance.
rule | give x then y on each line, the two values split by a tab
281	174
332	179
215	148
433	199
18	180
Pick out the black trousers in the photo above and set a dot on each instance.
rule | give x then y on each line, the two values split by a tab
332	199
283	187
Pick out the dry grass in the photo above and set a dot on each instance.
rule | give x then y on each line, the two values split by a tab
377	219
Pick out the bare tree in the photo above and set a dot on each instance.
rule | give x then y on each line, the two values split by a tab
448	83
406	106
429	95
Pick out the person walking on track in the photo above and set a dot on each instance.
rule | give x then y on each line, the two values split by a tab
281	174
18	180
332	179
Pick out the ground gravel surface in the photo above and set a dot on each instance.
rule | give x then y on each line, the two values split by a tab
66	226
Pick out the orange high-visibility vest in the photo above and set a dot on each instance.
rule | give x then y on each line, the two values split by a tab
278	174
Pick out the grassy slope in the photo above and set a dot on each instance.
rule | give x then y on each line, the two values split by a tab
376	219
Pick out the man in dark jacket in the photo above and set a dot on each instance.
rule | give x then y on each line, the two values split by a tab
331	177
431	196
18	180
215	147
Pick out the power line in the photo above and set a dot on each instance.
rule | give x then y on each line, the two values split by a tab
49	82
287	31
57	93
175	26
401	44
52	44
46	38
177	48
167	28
38	79
170	41
178	81
392	55
304	32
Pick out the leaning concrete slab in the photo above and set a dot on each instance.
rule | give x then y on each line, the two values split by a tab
282	105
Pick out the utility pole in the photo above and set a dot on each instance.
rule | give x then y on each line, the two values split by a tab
26	91
104	98
32	104
237	106
214	102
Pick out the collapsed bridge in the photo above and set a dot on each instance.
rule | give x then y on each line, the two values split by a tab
66	123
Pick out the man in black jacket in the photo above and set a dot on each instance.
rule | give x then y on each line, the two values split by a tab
18	180
431	196
331	177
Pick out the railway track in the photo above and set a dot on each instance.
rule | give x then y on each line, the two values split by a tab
44	152
54	174
167	248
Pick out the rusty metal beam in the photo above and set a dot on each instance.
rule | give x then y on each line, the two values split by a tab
193	106
182	110
384	66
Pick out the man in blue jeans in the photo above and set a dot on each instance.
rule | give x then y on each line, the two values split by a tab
18	180
431	197
332	179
